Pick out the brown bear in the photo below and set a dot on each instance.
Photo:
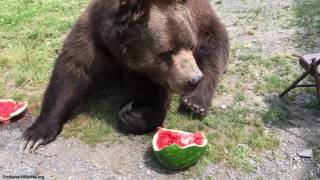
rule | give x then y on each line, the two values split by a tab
154	47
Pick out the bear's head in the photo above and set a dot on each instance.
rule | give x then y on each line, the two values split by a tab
158	40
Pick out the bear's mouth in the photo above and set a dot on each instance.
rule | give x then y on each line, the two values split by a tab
180	90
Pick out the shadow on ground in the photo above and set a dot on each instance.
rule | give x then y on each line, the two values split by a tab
300	115
96	120
299	109
151	162
105	106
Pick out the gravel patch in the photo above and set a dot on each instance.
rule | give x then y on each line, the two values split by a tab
72	159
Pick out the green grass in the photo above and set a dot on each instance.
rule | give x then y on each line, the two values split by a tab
275	114
239	97
32	32
308	13
307	17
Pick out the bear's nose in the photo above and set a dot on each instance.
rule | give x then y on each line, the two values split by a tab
194	81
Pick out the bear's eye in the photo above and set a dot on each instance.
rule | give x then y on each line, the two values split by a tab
166	57
166	54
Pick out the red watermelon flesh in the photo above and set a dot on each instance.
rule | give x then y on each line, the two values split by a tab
169	137
10	109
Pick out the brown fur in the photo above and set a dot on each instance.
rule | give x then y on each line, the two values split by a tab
183	69
155	47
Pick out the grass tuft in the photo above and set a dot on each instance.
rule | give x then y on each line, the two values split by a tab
275	114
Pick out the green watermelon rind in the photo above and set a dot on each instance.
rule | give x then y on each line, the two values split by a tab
177	158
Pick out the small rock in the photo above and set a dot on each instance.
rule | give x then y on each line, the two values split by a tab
269	125
147	160
307	153
311	173
218	2
252	162
149	172
244	146
223	107
308	130
286	7
294	158
292	122
279	163
250	33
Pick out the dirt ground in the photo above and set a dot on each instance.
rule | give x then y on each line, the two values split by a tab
126	159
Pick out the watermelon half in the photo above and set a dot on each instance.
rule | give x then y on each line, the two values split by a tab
177	149
10	109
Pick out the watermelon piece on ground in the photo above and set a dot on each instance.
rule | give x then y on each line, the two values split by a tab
177	149
10	109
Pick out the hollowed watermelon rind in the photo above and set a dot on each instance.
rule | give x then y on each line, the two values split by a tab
16	113
176	158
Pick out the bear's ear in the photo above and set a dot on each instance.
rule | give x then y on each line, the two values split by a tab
132	10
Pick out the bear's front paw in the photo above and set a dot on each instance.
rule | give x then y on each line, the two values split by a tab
196	104
38	134
132	119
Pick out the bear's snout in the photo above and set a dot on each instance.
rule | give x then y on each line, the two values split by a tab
195	79
185	74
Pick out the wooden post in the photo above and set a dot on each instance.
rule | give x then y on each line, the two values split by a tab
314	66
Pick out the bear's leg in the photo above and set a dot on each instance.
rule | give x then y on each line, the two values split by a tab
146	105
68	85
211	55
199	101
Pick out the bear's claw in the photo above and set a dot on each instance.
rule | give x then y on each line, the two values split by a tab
37	135
194	106
30	146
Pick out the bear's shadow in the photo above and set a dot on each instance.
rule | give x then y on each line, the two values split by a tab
151	163
104	105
